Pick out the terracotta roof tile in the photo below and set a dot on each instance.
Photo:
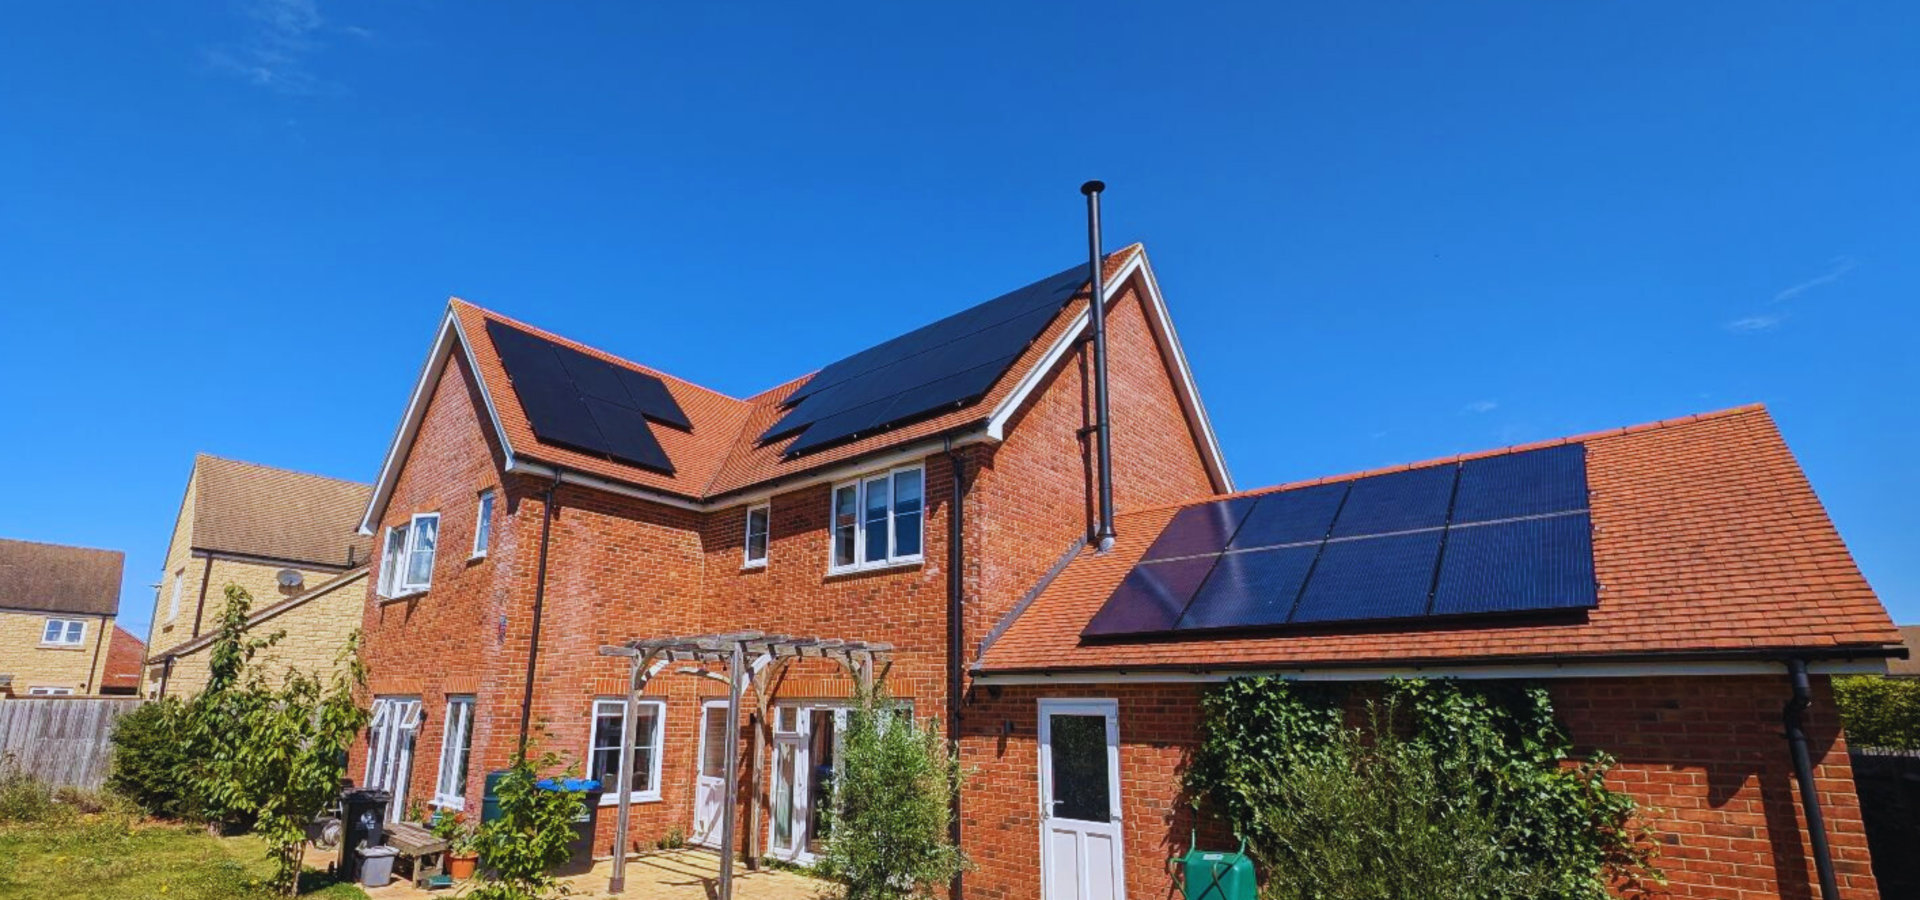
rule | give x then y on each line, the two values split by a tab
254	510
1707	537
59	578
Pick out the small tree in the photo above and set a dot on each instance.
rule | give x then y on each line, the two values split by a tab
1879	712
892	807
521	848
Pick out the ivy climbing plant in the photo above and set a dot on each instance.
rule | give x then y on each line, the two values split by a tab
1420	789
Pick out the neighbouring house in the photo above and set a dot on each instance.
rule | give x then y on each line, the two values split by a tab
941	493
288	538
57	606
126	657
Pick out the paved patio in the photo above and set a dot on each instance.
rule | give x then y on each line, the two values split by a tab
662	875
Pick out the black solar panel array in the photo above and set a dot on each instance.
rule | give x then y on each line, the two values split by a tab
947	364
586	403
1497	535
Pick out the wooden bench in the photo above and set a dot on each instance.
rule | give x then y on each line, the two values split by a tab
425	854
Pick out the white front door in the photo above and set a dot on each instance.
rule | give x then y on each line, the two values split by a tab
1080	855
390	749
710	788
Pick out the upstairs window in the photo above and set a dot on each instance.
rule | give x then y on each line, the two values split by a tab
877	520
406	557
64	632
483	524
759	522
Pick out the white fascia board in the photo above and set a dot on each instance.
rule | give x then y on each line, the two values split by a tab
451	335
1464	672
1161	325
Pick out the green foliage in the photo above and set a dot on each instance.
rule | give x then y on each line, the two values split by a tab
247	751
892	809
1879	711
452	826
151	763
1442	790
24	798
520	849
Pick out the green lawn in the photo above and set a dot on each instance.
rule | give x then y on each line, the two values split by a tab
110	859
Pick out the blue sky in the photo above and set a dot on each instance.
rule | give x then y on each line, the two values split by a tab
1387	231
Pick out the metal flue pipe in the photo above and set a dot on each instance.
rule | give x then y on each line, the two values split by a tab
1103	534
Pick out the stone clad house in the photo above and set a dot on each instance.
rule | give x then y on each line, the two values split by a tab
57	607
288	538
940	492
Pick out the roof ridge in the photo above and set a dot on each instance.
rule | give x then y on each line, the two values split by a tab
489	313
61	546
198	456
1677	421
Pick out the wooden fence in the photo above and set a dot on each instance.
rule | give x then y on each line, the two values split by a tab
1888	783
63	741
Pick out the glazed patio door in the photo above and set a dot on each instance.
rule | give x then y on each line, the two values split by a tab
390	749
1080	847
806	756
710	787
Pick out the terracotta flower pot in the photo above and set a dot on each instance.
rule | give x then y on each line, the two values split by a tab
461	867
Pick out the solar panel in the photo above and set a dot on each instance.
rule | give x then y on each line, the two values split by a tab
1401	501
1529	565
1252	589
948	363
1289	517
1201	529
1370	578
589	404
1151	598
1498	535
1549	480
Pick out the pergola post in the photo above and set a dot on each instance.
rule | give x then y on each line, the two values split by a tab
731	798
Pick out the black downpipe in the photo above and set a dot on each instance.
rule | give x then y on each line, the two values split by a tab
166	675
539	603
956	638
1803	772
1103	534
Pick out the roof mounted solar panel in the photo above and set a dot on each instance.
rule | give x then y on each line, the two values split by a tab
1151	598
1387	577
1528	565
586	403
1290	517
1200	529
927	371
1251	590
1510	485
1398	501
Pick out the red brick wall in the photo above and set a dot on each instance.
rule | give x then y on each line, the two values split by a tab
1705	755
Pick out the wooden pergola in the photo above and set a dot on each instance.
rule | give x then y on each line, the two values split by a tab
738	659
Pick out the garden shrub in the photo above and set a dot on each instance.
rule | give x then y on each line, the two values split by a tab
152	765
892	807
1441	790
1878	711
520	848
24	798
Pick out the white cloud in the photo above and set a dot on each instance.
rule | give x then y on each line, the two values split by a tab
278	47
1478	407
1839	269
1751	324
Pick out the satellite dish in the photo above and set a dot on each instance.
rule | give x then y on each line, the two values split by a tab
290	579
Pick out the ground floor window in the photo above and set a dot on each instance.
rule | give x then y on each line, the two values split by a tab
49	692
609	722
456	743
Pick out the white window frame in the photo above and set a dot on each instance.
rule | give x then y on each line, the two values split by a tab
459	716
179	583
50	692
748	560
860	562
611	797
394	566
482	525
61	628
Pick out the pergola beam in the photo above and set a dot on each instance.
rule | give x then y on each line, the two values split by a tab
731	650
